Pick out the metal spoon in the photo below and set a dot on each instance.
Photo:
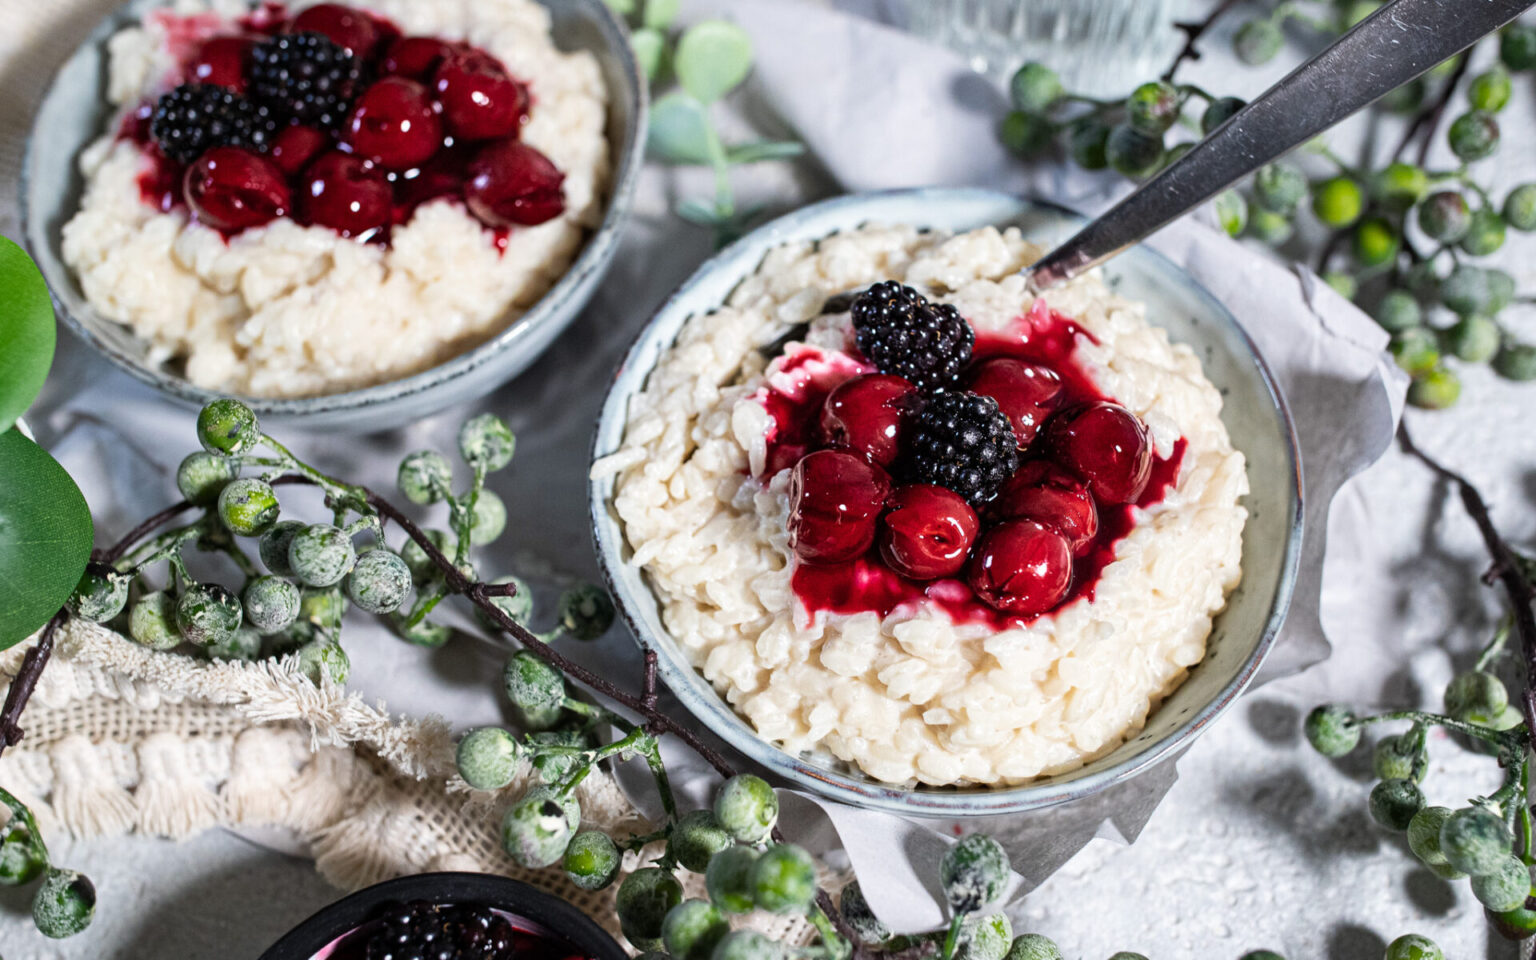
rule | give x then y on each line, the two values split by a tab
1392	46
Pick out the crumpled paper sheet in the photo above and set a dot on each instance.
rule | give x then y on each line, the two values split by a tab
850	90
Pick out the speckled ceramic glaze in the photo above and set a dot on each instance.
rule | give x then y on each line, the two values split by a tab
1254	412
75	111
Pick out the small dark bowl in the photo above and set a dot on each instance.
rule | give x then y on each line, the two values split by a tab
522	901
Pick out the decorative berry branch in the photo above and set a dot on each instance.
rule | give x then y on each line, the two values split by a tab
1192	33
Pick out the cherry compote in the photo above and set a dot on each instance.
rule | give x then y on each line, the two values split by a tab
835	499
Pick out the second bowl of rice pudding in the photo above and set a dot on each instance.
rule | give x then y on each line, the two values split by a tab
914	538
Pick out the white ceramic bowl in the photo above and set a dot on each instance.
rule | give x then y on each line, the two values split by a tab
74	112
1255	414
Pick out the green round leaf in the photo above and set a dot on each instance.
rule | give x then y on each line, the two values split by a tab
712	58
26	332
680	132
650	51
45	537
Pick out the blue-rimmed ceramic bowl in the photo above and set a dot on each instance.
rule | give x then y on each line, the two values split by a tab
75	112
1255	414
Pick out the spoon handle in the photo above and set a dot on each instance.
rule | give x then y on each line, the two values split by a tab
1392	46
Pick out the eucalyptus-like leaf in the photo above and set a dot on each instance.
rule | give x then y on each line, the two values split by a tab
650	48
680	131
659	14
712	58
764	150
26	332
700	212
621	7
45	537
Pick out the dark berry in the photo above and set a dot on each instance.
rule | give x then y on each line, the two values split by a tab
305	77
512	184
221	61
1026	392
1052	495
349	28
416	58
296	146
1022	567
927	532
395	125
196	117
964	442
903	333
480	101
1104	444
345	193
866	414
425	931
233	189
835	498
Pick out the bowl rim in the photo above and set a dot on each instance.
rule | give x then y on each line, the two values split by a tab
597	249
707	706
342	916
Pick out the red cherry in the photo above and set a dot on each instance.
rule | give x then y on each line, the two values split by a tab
415	57
1022	567
394	124
350	28
927	532
834	500
345	193
232	189
296	146
866	414
221	61
480	101
510	183
1104	444
1043	491
1026	392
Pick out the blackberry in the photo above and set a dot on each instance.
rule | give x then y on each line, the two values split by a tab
426	931
963	441
304	77
196	117
902	332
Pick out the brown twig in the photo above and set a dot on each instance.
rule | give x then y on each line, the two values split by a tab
1427	121
1193	31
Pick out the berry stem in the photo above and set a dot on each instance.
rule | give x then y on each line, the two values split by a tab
1192	34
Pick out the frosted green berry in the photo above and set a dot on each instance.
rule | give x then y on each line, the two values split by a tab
379	581
487	758
538	720
784	879
532	684
860	918
696	838
974	873
536	829
423	570
1332	730
1416	350
1474	136
152	621
207	612
273	546
985	938
1279	187
1397	758
248	506
1153	107
748	945
490	518
1424	840
1219	111
1128	955
1505	887
1231	212
1033	946
227	426
1489	90
1344	284
1257	41
1393	803
243	644
1338	201
692	929
101	594
322	608
1025	134
64	904
1035	88
1475	841
1472	290
1476	697
592	860
1132	152
1398	186
427	633
729	879
1485	235
747	807
424	476
518	606
1517	46
271	603
586	612
21	859
202	476
1435	389
321	554
1398	310
1474	339
1516	361
1445	216
1413	947
643	901
1520	207
486	441
1270	227
1087	137
1375	242
322	660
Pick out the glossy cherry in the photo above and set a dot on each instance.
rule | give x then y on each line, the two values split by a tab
221	61
296	146
835	499
1022	567
394	124
232	189
345	193
1026	392
927	532
350	28
1053	495
510	184
866	414
480	100
1106	445
416	58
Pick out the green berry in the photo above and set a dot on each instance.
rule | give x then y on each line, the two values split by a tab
1025	134
1035	88
586	612
554	766
1485	233
1422	280
1261	955
692	929
1153	107
1257	41
228	427
1033	946
1398	186
1516	361
64	904
860	918
1474	339
644	899
1270	227
490	518
1489	90
1517	46
322	660
1394	802
1435	389
985	938
1413	947
1338	201
1399	310
248	506
289	641
1332	730
424	476
1474	136
207	612
748	945
1128	955
1131	152
1516	924
322	608
518	606
487	758
202	475
243	644
1476	697
1219	111
1475	840
1520	207
729	879
696	838
532	684
321	554
486	441
538	720
1279	187
1397	758
427	633
1424	840
1344	284
1501	290
1231	212
536	829
423	570
1505	887
784	879
271	603
1472	290
379	581
1087	139
592	860
747	807
1376	242
152	621
973	873
1445	216
273	546
21	859
1416	350
101	594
